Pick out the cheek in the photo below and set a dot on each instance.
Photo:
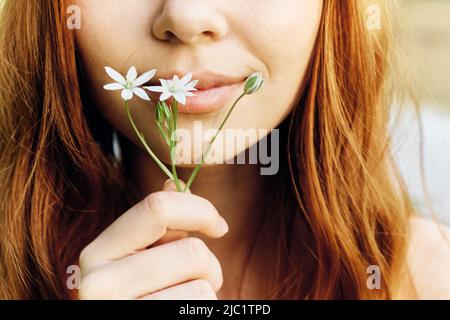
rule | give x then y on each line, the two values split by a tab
283	27
283	42
104	40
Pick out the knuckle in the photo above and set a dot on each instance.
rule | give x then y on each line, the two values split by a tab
211	207
154	206
197	249
204	290
206	262
154	203
206	205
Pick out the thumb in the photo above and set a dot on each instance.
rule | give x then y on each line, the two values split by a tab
170	185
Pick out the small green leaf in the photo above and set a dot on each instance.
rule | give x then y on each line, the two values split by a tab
167	112
159	113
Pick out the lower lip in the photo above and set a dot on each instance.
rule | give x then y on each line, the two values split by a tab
210	100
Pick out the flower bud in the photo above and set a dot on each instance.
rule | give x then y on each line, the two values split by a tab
254	83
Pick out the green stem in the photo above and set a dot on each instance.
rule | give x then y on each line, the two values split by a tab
163	133
142	139
208	149
174	144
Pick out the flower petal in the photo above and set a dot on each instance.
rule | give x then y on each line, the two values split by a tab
191	85
144	78
141	94
165	96
186	79
155	89
113	86
127	94
115	75
167	84
132	75
189	94
180	97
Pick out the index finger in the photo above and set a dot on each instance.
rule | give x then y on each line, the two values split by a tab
148	221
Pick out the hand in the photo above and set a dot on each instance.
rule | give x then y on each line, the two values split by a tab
146	254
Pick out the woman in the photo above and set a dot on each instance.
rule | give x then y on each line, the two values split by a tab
336	209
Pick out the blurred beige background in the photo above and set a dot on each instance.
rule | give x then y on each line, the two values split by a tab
430	24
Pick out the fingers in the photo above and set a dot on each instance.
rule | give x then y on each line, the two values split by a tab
193	290
171	235
154	270
170	185
147	222
146	252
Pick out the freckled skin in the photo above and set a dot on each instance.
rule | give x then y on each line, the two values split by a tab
234	38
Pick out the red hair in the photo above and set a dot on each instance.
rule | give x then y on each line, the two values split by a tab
340	206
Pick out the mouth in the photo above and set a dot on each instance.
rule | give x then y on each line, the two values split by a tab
214	91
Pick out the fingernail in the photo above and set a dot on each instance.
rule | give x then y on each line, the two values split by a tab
223	226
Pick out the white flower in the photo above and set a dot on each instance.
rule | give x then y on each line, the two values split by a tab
177	88
130	85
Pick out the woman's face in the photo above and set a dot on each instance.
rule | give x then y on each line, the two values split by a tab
230	38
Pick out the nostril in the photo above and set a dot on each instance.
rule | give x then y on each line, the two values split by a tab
207	36
169	35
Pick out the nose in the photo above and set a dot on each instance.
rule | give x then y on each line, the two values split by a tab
190	22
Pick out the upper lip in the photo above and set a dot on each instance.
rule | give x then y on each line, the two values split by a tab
207	79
